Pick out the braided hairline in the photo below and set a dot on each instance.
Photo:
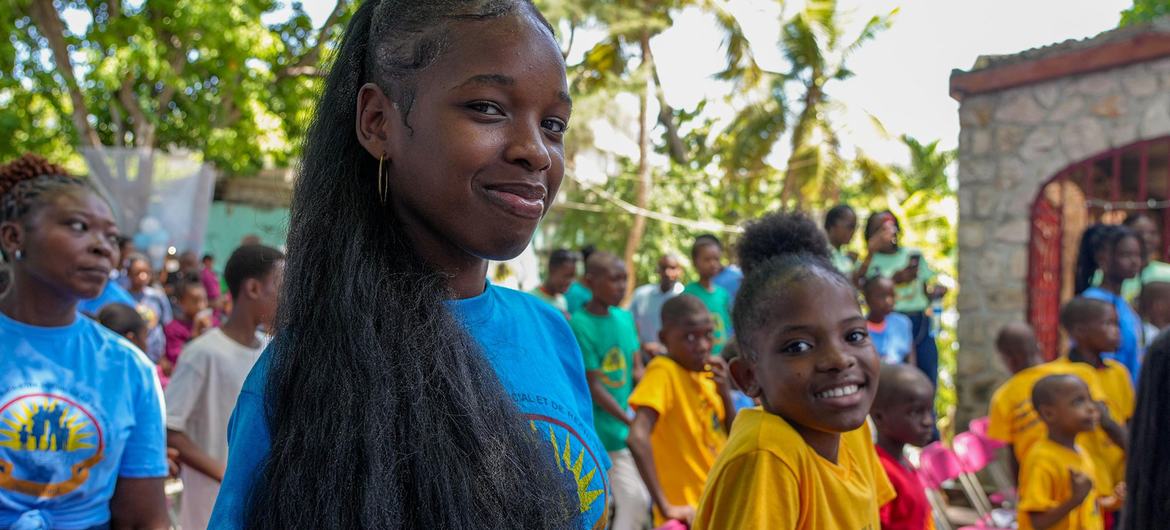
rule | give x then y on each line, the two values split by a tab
27	181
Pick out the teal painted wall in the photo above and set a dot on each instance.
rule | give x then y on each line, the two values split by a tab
228	223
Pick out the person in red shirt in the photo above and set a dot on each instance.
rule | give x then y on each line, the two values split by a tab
903	413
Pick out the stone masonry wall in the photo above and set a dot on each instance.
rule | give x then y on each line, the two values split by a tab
1011	143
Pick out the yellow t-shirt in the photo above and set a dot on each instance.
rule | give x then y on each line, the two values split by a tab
1011	418
689	433
1045	483
1117	392
768	478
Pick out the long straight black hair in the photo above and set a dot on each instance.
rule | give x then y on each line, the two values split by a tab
1147	475
383	411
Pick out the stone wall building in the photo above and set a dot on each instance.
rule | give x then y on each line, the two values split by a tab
1052	139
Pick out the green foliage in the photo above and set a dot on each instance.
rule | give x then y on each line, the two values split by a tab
208	77
1145	11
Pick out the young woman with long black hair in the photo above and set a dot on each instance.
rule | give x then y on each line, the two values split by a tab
1116	253
400	391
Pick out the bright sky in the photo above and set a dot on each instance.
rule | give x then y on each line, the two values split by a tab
901	76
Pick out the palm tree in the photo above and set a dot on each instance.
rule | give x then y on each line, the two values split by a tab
817	51
631	25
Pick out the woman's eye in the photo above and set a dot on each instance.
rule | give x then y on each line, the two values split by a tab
799	346
78	226
555	125
856	336
483	107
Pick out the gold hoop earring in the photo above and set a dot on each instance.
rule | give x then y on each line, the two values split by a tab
383	186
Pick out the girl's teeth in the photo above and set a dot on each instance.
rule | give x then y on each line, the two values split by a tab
839	392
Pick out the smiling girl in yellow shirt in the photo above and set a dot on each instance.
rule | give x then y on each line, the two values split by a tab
805	460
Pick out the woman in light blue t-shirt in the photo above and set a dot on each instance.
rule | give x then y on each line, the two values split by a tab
402	390
82	442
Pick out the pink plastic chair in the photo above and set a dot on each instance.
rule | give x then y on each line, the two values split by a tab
978	427
974	456
1005	491
939	465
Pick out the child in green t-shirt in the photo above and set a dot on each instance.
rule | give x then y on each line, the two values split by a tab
708	259
609	342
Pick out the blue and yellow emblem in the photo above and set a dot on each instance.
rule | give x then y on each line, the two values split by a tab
575	458
48	444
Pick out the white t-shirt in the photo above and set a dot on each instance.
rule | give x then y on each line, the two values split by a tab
200	398
646	305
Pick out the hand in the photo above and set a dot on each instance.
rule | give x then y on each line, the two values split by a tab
938	292
907	275
1081	485
1119	492
685	514
202	323
719	373
882	239
173	466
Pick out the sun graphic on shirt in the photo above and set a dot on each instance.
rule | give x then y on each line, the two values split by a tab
572	460
48	445
50	425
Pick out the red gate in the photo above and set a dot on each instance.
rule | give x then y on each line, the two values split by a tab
1104	188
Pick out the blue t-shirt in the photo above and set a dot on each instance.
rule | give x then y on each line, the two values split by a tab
536	358
1129	353
895	341
80	407
113	293
729	279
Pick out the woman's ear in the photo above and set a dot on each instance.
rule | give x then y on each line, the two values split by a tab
378	121
11	237
744	373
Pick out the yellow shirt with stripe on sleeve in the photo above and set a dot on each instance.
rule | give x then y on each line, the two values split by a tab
1046	482
1011	418
768	478
689	433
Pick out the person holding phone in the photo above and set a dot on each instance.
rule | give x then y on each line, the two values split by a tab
914	283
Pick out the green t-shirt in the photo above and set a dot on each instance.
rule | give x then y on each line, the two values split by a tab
843	262
718	302
608	344
909	297
577	296
557	300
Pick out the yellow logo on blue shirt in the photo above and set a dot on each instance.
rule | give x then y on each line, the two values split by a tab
48	444
575	458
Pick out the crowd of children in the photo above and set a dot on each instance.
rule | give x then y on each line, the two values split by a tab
403	390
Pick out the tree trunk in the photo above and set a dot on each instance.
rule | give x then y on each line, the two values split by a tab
678	151
642	192
804	125
48	21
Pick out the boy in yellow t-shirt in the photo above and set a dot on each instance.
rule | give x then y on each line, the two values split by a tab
805	460
1059	484
1011	417
683	411
1093	327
